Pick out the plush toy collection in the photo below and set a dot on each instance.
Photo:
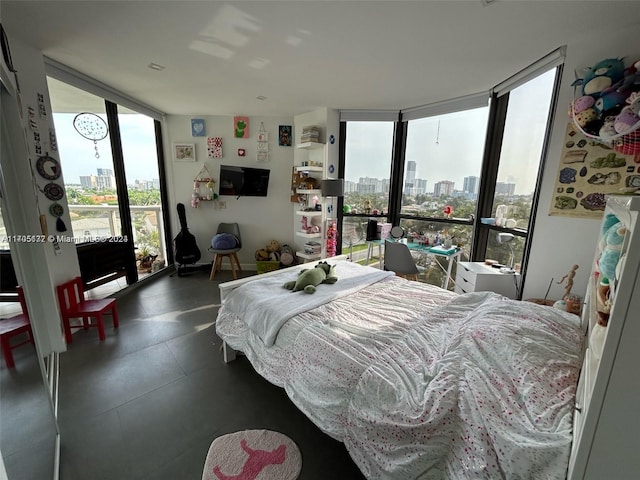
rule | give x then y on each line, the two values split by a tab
275	252
607	103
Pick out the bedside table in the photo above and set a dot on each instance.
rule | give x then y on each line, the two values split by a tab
478	277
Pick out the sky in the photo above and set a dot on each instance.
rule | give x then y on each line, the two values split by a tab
78	154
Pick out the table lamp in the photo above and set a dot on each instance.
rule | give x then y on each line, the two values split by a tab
507	238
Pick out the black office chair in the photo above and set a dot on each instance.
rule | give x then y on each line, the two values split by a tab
226	229
398	259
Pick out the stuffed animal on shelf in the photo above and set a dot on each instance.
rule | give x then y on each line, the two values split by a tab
308	280
610	255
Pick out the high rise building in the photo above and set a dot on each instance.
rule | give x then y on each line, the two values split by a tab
504	188
409	178
471	184
443	187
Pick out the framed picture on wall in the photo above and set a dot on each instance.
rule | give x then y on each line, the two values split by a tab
241	127
284	135
184	152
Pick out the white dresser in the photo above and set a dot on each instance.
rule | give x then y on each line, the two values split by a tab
478	277
607	422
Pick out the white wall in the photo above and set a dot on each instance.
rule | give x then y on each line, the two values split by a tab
261	218
38	267
560	242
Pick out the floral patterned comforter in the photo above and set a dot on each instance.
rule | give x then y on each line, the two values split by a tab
420	383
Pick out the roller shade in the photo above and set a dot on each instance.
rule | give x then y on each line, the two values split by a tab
79	80
459	104
534	70
369	115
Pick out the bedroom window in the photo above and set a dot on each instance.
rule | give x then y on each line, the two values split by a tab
522	111
443	161
481	155
366	167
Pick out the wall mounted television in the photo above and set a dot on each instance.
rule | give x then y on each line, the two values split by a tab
243	181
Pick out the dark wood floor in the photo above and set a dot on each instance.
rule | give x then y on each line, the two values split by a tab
148	401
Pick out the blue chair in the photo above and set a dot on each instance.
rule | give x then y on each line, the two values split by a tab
222	237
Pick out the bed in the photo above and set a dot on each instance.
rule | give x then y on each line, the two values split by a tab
418	382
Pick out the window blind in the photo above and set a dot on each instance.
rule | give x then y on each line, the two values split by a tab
77	79
536	69
369	115
459	104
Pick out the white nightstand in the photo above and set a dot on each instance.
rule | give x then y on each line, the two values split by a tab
478	277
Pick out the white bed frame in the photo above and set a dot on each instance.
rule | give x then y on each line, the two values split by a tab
229	354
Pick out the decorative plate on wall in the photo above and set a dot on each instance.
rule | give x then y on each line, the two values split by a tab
53	191
48	167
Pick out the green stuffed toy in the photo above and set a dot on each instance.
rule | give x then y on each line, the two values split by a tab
308	280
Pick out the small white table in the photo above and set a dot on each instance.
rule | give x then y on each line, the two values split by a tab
423	249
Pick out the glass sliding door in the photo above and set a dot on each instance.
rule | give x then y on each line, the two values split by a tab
137	132
112	186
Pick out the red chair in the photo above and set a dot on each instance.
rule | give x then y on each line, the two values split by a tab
73	305
13	326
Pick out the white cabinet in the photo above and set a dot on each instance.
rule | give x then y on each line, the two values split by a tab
310	221
478	277
606	420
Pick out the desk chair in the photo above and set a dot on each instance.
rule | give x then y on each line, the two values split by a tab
398	259
230	253
73	305
13	326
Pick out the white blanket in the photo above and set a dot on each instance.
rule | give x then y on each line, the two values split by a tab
265	305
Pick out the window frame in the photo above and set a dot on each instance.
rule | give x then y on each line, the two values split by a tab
498	101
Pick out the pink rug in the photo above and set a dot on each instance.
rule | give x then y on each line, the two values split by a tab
253	455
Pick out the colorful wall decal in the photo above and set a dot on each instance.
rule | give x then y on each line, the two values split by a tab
588	170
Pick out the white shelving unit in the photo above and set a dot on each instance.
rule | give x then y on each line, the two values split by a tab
316	164
606	419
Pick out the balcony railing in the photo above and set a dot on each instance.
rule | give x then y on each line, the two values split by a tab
95	221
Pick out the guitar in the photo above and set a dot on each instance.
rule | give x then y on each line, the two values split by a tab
186	247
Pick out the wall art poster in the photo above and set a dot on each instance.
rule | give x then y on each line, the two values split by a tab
197	127
589	170
284	135
241	127
214	147
184	152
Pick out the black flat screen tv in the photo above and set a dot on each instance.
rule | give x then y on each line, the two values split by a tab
243	181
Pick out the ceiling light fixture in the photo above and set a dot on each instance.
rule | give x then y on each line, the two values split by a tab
261	97
155	66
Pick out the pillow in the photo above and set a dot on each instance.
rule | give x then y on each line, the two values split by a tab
224	241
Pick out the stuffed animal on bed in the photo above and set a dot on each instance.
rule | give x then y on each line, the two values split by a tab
308	280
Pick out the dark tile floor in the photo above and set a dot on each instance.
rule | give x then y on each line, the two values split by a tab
148	401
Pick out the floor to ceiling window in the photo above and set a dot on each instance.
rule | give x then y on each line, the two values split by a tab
108	155
524	136
468	169
367	174
443	161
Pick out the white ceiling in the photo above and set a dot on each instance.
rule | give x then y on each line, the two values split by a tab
301	55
